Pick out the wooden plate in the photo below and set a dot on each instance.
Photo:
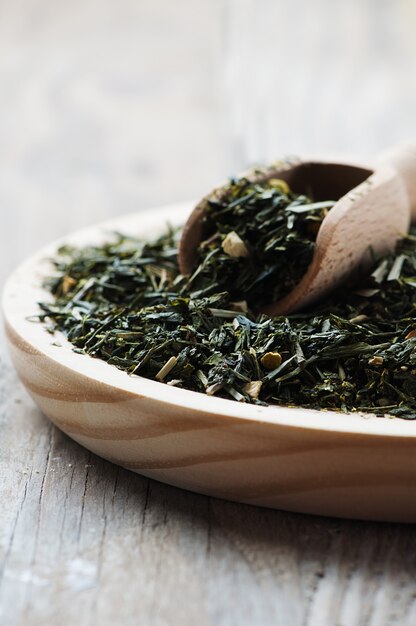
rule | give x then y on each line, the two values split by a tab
320	462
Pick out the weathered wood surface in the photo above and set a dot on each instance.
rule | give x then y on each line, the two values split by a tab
104	108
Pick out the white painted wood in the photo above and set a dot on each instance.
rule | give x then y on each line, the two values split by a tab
104	109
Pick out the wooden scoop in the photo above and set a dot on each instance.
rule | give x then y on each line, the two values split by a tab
373	210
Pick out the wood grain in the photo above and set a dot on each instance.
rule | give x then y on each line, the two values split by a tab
95	543
83	542
353	466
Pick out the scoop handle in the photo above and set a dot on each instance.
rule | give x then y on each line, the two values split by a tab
403	159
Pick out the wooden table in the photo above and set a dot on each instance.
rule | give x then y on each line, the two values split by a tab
110	107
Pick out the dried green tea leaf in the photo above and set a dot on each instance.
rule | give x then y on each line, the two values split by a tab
262	242
125	302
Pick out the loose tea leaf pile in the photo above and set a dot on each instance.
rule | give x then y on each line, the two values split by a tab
126	303
256	225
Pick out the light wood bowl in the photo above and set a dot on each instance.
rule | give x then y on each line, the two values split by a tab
319	462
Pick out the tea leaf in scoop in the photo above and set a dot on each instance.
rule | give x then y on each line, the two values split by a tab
261	241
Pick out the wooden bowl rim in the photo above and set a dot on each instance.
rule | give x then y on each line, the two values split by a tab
23	290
